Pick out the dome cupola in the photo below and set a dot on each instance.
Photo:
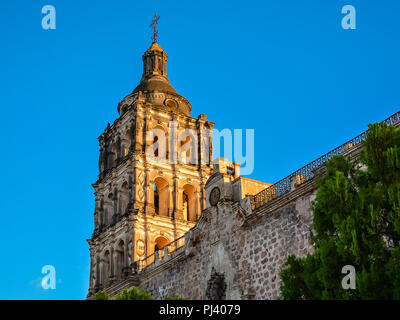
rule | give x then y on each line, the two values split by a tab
154	86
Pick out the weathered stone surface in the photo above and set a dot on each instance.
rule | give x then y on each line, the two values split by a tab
247	258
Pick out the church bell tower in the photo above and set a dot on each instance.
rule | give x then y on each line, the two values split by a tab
154	162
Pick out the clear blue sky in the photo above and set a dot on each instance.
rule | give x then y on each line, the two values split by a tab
284	68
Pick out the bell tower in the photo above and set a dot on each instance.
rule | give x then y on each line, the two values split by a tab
154	162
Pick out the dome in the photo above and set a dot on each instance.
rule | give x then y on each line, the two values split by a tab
155	85
155	47
154	76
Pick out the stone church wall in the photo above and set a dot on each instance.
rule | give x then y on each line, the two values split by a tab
234	254
237	248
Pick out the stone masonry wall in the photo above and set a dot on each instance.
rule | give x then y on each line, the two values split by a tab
229	242
235	252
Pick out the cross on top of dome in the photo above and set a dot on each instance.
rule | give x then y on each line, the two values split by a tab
154	27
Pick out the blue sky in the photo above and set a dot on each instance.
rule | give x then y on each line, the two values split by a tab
284	68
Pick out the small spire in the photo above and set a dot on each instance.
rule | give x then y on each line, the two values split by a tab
154	27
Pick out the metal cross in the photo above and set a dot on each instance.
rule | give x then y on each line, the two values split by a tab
154	27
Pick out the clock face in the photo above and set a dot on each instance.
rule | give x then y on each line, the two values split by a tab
214	196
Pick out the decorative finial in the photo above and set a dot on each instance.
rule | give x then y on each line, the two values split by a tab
154	27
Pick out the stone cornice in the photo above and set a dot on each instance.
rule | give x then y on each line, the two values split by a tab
115	170
110	230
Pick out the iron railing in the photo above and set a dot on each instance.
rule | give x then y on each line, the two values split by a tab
306	173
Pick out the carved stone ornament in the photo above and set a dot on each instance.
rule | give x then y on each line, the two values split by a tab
215	194
140	247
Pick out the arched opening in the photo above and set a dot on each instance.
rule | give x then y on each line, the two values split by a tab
123	198
105	268
113	155
185	205
159	245
126	143
158	141
156	199
155	139
189	203
101	215
102	161
120	259
118	150
161	197
216	286
185	147
188	145
108	209
110	158
96	273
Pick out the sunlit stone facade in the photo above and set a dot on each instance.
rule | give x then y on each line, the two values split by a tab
144	202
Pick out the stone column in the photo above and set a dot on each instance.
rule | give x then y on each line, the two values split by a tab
126	243
112	271
197	196
91	284
115	205
178	201
146	189
171	201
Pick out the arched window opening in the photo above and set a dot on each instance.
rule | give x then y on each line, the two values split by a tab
185	154
161	197
155	139
110	159
108	209
160	243
118	150
124	198
113	155
120	259
96	273
156	200
185	205
105	274
126	144
158	141
189	203
102	161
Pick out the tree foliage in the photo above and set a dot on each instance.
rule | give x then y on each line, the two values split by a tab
101	295
131	294
356	222
134	294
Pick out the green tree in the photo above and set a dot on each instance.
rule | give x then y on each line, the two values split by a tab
131	294
356	222
101	295
134	294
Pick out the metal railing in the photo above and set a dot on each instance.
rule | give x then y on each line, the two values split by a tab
161	254
306	173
